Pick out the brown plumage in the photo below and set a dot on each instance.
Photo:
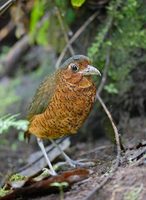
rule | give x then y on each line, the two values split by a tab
63	100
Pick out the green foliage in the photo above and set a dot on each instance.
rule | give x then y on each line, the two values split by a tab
77	3
3	192
61	4
67	12
45	25
111	88
39	34
37	13
123	33
14	178
48	30
42	34
61	186
10	121
93	51
9	98
17	177
70	16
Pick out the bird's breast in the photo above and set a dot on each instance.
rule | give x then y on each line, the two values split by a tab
71	107
66	112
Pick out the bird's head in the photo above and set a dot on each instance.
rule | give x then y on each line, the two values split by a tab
78	69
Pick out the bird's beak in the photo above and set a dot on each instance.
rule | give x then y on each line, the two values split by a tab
90	70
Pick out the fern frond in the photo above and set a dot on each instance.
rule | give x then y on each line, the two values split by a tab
8	121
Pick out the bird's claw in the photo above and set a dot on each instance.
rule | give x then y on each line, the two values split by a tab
50	172
47	171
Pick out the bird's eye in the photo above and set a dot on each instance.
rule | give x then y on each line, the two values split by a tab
74	67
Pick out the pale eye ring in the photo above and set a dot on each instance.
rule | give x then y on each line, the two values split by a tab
74	67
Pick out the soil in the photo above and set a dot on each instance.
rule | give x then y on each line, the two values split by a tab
127	183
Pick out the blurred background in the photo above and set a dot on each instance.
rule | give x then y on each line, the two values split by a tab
37	36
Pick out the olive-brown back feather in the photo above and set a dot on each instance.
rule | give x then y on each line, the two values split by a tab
42	96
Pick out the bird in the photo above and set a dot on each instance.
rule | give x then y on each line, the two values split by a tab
62	103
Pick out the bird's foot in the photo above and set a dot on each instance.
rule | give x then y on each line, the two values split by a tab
45	174
81	163
41	145
53	173
47	171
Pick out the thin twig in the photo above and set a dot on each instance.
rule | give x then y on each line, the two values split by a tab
117	138
75	36
6	5
103	80
93	192
64	30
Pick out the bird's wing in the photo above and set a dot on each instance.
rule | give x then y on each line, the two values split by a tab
42	97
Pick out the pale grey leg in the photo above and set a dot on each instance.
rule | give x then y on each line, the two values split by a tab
41	145
72	163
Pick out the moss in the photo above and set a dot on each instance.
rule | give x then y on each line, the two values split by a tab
120	38
17	177
3	192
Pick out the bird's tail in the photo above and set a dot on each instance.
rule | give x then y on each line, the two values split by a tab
27	136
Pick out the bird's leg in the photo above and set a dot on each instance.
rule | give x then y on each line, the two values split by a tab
67	158
41	145
72	163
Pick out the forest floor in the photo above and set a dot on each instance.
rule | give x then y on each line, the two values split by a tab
127	183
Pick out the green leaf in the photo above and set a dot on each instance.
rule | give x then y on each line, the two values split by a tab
3	192
111	89
42	35
60	184
77	3
10	121
70	16
36	14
